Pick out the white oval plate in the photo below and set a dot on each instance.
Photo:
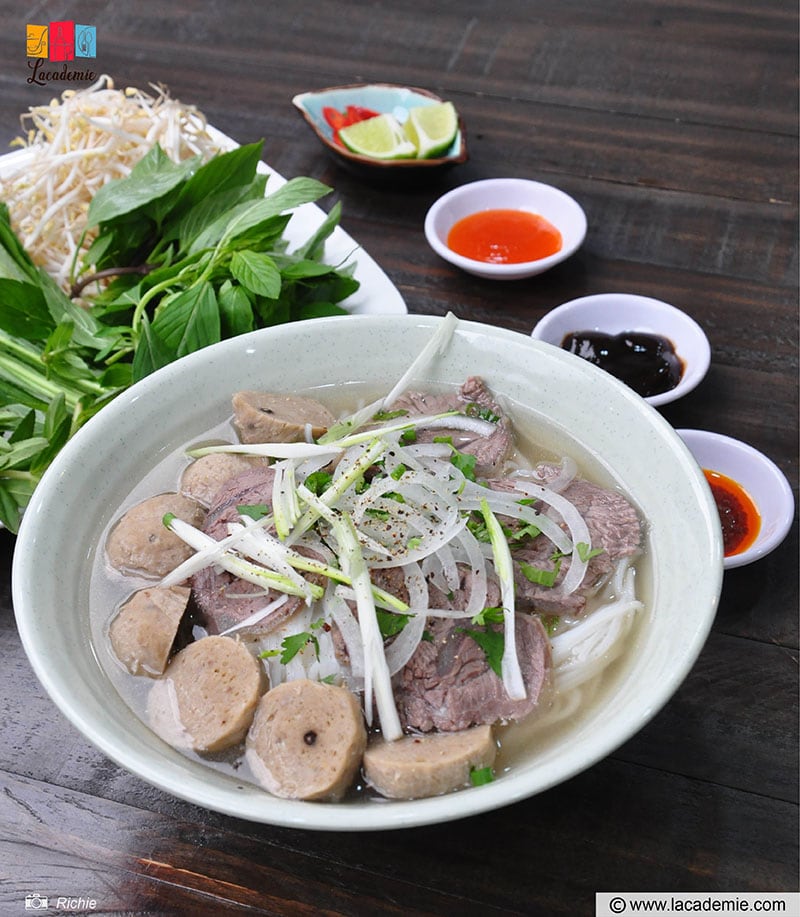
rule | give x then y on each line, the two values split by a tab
377	295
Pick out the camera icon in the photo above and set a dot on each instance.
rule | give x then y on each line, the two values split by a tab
36	903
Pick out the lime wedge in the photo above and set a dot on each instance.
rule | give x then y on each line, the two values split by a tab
381	137
432	128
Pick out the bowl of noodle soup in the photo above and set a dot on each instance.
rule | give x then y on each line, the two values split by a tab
560	405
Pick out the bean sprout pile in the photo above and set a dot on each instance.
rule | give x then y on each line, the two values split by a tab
79	143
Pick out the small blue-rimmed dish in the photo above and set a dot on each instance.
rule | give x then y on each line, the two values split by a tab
382	98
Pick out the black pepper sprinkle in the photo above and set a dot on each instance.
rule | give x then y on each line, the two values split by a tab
310	737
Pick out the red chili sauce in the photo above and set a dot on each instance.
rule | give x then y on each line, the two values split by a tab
737	512
504	236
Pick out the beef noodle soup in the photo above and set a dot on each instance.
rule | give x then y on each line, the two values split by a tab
391	601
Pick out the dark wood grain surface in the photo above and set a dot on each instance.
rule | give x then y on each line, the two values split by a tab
675	126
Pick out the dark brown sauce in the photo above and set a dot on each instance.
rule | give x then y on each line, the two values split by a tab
646	362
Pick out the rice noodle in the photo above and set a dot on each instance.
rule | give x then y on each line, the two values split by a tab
76	146
583	650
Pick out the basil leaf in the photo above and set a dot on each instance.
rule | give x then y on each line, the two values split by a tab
249	214
318	310
313	249
9	507
235	310
257	272
188	320
25	313
24	428
13	455
150	179
227	171
151	352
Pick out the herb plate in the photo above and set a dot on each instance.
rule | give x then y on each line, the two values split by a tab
376	295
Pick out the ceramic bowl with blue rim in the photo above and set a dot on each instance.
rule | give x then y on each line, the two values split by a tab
382	98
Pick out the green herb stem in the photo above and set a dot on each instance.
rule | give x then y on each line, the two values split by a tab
17	368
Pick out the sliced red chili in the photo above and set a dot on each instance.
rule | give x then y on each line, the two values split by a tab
334	117
359	113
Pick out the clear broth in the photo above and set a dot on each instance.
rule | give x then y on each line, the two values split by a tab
537	440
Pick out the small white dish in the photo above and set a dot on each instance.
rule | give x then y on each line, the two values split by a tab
554	205
761	479
615	313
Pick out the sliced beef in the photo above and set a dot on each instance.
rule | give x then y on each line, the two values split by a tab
473	399
223	599
448	684
614	527
266	417
459	597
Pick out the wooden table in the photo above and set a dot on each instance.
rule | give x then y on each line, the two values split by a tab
675	126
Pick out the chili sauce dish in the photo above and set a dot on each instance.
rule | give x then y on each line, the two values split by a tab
579	654
505	228
655	348
327	111
753	496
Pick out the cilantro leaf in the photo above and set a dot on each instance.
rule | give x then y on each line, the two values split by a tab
584	553
492	642
538	575
390	624
254	511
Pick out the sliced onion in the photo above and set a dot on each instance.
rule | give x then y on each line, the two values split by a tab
507	504
402	648
558	482
348	626
576	524
436	346
460	422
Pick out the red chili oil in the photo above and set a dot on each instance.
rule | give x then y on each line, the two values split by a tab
504	236
738	514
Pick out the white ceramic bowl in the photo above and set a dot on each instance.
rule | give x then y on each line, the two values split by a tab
761	479
617	312
82	492
506	193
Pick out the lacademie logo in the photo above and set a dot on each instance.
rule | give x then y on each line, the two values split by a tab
59	41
